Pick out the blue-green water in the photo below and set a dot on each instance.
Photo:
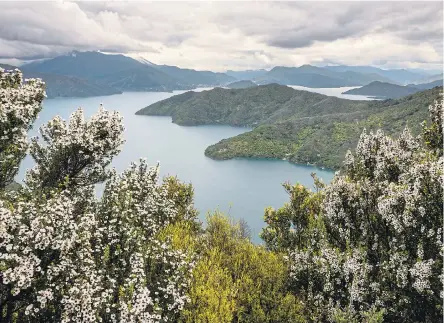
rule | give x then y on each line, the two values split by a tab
240	187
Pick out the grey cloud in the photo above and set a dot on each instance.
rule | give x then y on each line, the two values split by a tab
276	32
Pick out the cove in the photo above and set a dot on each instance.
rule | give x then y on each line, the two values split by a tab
241	188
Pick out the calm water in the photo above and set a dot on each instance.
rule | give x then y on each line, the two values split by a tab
240	187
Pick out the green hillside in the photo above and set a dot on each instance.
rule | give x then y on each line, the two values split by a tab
324	140
264	104
384	90
300	126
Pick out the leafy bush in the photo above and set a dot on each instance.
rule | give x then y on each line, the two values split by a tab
66	256
369	245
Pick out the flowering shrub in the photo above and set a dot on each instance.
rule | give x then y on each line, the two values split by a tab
20	103
66	256
369	245
366	248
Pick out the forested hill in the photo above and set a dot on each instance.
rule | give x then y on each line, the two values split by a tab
383	89
248	107
393	91
300	126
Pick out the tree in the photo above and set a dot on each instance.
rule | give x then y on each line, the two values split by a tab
20	103
237	281
369	245
67	256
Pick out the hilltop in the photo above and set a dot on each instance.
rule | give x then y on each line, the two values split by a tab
393	91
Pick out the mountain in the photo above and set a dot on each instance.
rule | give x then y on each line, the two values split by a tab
393	91
317	77
427	86
125	73
195	78
8	67
247	75
430	78
300	126
401	76
67	86
263	104
241	84
383	90
117	71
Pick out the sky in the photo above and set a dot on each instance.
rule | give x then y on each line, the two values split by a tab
229	35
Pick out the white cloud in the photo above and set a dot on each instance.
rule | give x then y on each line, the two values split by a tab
229	35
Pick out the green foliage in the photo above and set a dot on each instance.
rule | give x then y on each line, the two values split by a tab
324	139
299	126
293	225
368	246
237	281
183	196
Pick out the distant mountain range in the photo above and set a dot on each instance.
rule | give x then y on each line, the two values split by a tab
392	91
248	74
126	74
317	77
95	73
300	126
196	78
241	84
397	76
334	76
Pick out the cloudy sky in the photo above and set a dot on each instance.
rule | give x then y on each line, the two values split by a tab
229	35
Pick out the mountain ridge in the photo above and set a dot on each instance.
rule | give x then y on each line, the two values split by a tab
391	91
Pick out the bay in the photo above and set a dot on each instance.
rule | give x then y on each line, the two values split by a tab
241	188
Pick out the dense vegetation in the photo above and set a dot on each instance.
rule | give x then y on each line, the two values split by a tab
366	248
300	126
391	91
264	104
